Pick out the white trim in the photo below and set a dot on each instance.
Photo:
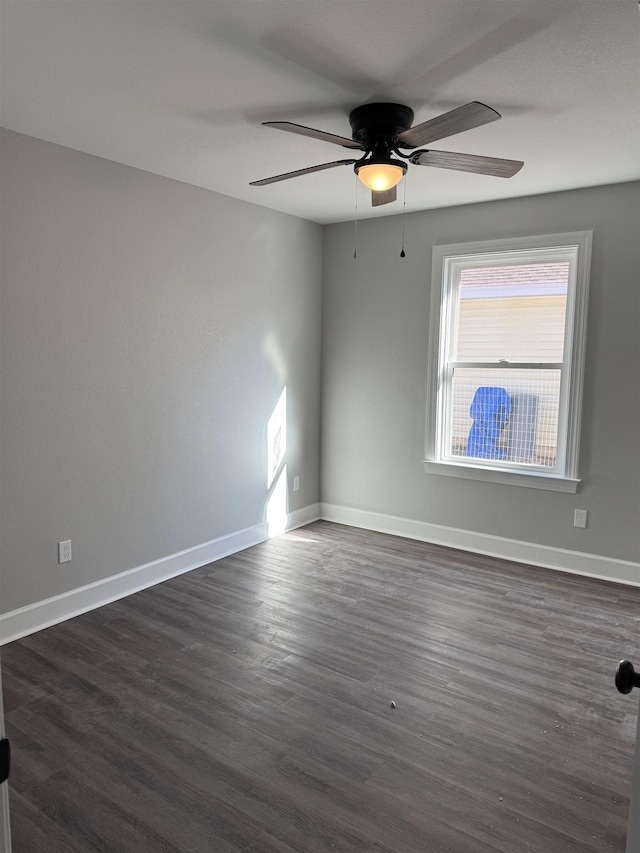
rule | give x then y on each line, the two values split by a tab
306	515
584	240
42	614
532	480
574	562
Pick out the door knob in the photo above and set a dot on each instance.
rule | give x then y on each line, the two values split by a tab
626	677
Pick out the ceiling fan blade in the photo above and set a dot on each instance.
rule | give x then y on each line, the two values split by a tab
495	166
290	127
462	118
299	172
379	197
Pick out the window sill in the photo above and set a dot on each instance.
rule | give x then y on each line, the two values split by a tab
529	480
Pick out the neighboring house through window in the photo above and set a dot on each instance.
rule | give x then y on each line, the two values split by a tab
507	345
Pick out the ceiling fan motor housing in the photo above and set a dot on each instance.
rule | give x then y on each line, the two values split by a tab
376	125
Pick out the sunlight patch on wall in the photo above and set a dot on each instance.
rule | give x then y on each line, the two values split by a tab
276	515
276	438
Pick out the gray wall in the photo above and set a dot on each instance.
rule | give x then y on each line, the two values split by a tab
375	322
147	329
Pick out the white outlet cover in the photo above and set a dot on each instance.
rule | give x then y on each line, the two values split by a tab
64	551
580	518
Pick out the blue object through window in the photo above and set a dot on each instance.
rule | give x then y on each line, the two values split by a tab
490	410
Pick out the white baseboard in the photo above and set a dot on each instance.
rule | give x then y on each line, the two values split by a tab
575	562
42	614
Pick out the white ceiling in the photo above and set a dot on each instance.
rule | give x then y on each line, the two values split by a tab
181	88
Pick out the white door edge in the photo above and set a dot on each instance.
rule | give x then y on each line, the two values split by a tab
5	827
633	832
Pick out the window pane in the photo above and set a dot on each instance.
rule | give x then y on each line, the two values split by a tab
503	414
514	312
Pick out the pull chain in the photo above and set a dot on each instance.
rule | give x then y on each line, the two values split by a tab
355	225
404	214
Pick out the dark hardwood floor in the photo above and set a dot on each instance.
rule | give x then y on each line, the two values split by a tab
247	706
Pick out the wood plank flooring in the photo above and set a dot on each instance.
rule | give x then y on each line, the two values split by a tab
246	706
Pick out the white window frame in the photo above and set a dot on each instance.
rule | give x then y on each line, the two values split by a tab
448	260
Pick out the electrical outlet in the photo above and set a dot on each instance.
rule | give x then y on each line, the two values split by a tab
580	518
64	551
296	484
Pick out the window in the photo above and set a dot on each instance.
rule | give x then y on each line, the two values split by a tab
507	342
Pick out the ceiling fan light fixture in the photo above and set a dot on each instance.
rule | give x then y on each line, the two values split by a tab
381	176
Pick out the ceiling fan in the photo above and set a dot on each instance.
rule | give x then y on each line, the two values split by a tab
381	130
